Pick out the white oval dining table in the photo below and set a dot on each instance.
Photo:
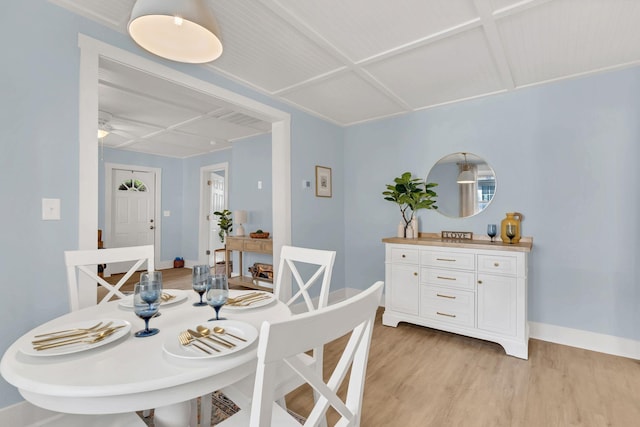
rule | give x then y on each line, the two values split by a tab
133	374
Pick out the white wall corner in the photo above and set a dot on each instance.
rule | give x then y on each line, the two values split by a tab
593	341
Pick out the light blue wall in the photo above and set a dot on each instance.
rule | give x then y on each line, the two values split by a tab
565	155
39	159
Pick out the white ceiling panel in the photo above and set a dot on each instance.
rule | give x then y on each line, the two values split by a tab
221	129
566	37
264	50
346	98
364	28
358	60
452	68
497	5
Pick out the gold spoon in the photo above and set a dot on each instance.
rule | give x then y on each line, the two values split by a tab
221	330
206	332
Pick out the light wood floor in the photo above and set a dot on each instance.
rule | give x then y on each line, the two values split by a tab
423	377
419	377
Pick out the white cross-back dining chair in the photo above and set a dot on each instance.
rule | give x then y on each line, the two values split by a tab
83	293
86	261
316	265
281	343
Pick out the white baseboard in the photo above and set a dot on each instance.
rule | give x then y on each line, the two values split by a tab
593	341
24	414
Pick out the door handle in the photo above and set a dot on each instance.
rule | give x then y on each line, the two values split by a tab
151	228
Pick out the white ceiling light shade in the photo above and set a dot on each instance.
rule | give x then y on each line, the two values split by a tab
179	30
466	176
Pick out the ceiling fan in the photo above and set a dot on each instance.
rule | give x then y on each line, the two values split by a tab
107	125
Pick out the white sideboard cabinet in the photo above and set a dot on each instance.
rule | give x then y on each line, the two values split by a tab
475	288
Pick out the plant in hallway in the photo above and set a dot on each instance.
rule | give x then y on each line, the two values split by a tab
411	195
225	222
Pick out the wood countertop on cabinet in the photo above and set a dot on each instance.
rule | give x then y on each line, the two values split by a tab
479	242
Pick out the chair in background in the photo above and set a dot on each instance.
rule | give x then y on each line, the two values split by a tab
83	293
281	344
86	261
317	265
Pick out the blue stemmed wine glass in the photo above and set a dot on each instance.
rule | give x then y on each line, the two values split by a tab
492	230
217	293
146	302
199	281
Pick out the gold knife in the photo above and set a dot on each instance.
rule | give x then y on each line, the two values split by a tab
216	340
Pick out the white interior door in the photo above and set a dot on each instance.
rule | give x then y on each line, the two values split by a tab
132	211
214	193
217	202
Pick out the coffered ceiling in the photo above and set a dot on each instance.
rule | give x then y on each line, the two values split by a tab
358	60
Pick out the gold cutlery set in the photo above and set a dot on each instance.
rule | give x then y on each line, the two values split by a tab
166	297
248	299
207	340
91	335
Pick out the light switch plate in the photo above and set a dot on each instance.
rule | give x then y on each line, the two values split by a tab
50	209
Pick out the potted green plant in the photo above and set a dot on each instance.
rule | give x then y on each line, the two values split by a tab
410	194
225	222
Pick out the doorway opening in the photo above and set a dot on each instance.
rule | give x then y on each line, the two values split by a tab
91	51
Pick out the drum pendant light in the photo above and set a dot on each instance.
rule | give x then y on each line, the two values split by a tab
179	30
466	176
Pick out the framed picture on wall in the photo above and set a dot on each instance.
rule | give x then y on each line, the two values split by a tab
323	181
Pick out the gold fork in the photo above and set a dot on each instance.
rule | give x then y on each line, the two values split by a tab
186	339
243	297
91	339
249	301
78	334
97	325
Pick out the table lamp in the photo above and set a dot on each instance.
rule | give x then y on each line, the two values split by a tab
239	218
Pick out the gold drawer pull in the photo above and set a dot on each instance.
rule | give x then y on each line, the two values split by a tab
445	259
446	278
480	282
496	264
415	274
404	256
445	314
445	296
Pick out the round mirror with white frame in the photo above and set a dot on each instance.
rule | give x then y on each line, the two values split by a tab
466	184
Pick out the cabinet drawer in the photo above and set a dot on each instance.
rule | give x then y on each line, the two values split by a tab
407	256
454	278
234	244
448	260
257	245
497	264
448	305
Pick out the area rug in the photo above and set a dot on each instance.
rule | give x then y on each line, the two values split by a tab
221	409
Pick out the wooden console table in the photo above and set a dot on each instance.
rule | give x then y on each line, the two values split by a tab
243	244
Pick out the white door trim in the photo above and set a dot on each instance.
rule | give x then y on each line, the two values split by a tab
203	232
91	50
108	194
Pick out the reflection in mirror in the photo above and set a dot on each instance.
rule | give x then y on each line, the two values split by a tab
466	184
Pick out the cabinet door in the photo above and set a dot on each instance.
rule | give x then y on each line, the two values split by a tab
497	303
404	288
